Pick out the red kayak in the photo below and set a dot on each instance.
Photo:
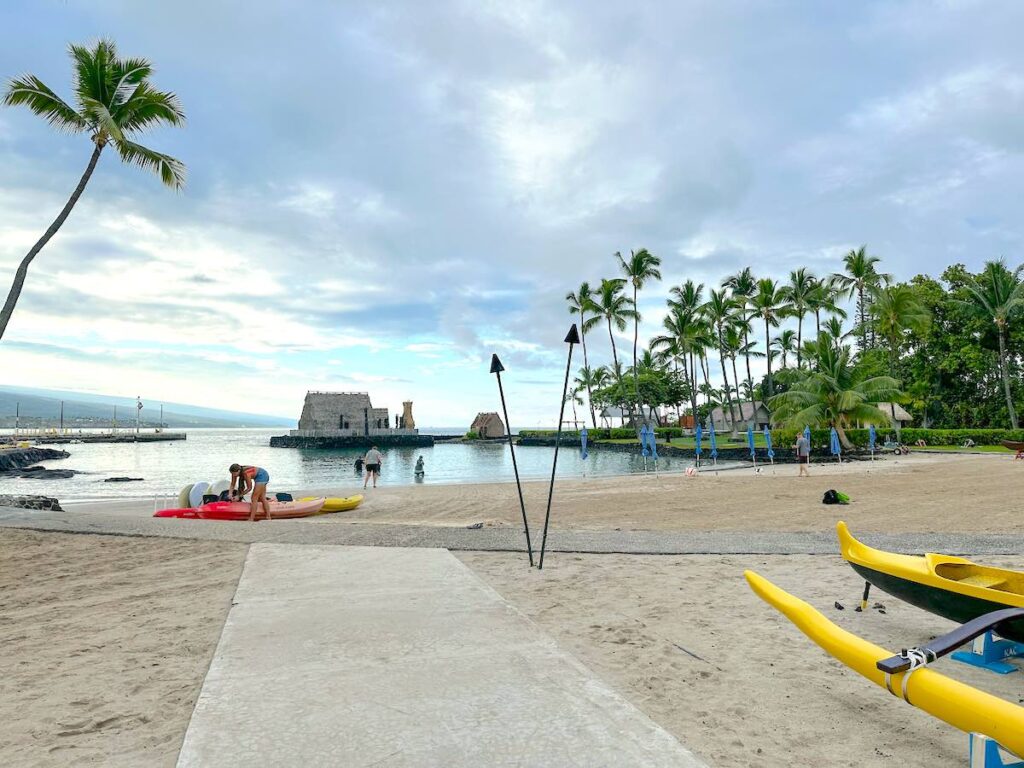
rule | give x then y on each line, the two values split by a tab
239	510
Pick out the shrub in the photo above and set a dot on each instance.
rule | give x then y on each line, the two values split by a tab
471	435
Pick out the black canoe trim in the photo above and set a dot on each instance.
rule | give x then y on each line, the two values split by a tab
942	602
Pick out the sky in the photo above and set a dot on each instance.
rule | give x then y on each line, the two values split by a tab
380	195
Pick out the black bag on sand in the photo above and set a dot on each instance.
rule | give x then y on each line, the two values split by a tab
830	497
284	497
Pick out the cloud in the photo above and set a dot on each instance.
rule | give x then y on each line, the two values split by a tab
414	183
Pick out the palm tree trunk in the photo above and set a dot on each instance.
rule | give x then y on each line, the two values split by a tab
768	357
746	354
736	380
799	340
693	388
22	271
618	373
586	364
636	337
1005	373
725	384
863	318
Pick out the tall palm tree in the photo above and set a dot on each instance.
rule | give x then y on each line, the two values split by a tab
734	346
769	304
115	101
641	267
997	294
611	306
896	309
681	341
718	310
824	297
688	297
581	303
798	293
590	380
861	275
743	285
785	343
833	394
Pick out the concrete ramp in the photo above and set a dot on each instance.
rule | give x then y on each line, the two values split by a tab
363	656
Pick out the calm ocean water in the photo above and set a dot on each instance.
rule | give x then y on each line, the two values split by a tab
207	453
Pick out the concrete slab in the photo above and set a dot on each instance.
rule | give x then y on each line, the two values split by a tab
359	656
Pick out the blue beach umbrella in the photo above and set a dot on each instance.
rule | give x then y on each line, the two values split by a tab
652	438
714	443
807	434
871	437
768	442
699	436
644	450
750	441
834	444
583	444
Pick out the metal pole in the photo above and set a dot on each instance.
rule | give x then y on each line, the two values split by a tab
161	415
497	368
571	339
17	419
62	417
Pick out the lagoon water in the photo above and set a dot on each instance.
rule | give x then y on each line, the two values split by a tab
207	453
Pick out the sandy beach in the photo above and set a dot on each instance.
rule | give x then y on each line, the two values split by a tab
923	492
106	639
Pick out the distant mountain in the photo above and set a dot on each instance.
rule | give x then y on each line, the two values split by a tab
41	407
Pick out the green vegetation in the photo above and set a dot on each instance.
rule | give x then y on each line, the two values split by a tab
472	435
949	349
114	101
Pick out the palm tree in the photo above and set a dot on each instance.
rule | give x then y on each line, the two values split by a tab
580	303
769	304
860	277
591	380
743	285
718	310
896	309
833	394
610	305
798	293
114	101
824	297
641	267
734	346
997	294
785	343
833	328
681	342
688	297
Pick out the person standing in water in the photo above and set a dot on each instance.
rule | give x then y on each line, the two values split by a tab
254	479
419	471
372	461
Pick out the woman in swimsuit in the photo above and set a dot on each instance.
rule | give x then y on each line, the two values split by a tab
251	478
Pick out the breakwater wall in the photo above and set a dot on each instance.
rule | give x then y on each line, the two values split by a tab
352	441
18	458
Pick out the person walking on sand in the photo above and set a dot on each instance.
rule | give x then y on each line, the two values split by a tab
254	479
372	461
803	454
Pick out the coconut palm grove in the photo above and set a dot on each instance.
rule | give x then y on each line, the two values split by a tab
818	350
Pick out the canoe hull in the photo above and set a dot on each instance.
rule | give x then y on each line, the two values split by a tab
942	602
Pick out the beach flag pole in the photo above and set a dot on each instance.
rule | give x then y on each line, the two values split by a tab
572	338
496	369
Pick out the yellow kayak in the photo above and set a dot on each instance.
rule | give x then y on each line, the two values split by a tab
953	702
339	505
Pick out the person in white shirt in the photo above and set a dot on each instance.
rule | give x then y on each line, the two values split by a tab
372	461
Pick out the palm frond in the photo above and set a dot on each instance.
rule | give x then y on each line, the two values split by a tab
170	170
127	75
100	117
147	106
93	71
30	91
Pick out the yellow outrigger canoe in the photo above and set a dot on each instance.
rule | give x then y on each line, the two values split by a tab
952	587
953	702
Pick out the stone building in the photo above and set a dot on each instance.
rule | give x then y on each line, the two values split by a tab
488	425
348	414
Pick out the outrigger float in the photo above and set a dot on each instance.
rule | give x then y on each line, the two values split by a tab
947	586
992	722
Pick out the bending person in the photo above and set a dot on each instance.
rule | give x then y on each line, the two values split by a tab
254	479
